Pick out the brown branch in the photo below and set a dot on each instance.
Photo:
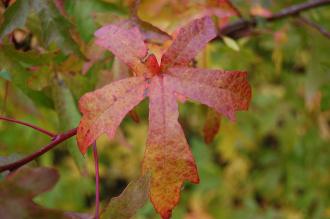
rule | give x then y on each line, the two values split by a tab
56	141
243	27
28	125
315	26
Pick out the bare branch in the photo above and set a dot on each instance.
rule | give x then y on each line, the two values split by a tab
56	141
28	125
243	27
315	26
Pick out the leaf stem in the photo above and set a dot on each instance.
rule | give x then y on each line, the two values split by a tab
55	141
97	182
28	125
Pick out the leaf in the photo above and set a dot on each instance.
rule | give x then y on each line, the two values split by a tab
190	40
152	33
15	16
18	190
56	28
130	200
231	43
126	42
19	76
105	108
167	156
211	126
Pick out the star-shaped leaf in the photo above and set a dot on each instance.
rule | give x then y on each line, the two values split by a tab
167	157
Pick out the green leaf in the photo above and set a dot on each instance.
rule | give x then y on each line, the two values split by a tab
131	199
56	28
231	43
14	17
19	77
69	117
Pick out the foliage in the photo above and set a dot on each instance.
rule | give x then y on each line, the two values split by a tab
101	58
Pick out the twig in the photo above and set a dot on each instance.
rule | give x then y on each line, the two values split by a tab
56	140
243	27
97	182
315	26
28	125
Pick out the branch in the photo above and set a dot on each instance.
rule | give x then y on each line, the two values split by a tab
56	140
243	27
97	182
28	125
315	26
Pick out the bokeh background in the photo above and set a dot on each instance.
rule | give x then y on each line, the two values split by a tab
274	162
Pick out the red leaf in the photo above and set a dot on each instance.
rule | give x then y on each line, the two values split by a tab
105	108
167	155
225	91
189	41
212	125
126	42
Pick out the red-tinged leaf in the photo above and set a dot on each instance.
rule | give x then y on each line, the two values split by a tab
225	91
105	108
152	33
18	190
126	42
167	156
130	200
189	41
212	125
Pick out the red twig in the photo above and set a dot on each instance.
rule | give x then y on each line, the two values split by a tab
97	182
56	140
28	125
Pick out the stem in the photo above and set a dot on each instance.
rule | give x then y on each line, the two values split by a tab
296	9
28	125
97	182
243	27
56	140
315	26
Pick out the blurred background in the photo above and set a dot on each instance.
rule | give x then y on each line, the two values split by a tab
274	162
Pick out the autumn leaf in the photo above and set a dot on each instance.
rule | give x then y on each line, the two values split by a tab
18	190
212	125
167	157
130	200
